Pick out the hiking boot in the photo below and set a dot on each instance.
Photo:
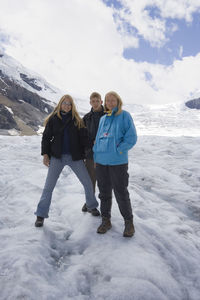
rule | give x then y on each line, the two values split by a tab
105	225
129	229
39	222
94	212
84	208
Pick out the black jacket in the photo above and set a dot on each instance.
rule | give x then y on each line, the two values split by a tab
52	140
91	121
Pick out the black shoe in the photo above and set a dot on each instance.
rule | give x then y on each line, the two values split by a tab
39	222
94	212
84	208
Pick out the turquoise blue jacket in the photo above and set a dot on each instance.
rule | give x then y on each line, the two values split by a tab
115	136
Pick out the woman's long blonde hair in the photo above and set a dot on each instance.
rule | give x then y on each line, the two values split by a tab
75	115
119	102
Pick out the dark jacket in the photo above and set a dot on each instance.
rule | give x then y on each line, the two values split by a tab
52	140
91	121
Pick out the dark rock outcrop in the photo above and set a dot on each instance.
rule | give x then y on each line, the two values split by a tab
14	91
6	119
28	107
30	81
194	104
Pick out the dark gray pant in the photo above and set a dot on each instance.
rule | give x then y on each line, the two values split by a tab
89	163
116	178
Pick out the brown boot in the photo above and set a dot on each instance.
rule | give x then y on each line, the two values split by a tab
129	229
105	225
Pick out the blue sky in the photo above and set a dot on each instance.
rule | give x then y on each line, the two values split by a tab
184	41
148	51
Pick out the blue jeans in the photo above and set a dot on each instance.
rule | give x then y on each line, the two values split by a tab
55	168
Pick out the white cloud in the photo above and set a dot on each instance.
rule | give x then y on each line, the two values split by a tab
180	51
178	9
70	43
175	83
154	29
76	46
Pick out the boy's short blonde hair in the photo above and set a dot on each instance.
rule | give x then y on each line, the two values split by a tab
95	95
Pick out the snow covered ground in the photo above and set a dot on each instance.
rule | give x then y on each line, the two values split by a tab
67	259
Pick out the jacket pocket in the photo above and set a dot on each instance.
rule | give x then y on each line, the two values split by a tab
106	144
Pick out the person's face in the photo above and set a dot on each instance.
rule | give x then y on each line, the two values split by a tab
66	105
96	103
111	102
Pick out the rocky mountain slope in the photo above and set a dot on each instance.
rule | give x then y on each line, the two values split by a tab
25	98
195	103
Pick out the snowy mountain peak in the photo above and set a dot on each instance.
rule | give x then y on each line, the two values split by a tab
30	80
29	96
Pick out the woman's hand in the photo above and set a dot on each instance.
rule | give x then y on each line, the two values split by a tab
46	160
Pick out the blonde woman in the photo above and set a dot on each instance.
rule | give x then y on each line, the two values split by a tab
115	136
63	143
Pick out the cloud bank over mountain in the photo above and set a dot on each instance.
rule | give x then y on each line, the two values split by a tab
127	46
